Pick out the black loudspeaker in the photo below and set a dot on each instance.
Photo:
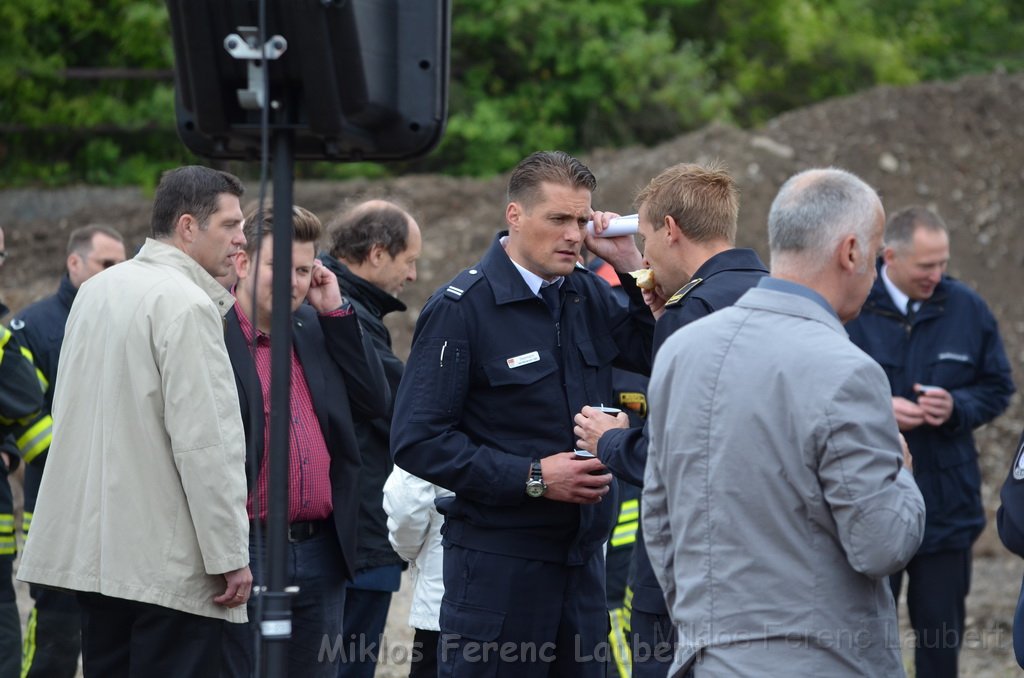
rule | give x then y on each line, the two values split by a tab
352	79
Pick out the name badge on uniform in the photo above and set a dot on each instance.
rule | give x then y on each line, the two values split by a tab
525	359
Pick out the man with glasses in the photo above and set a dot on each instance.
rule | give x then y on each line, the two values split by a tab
53	637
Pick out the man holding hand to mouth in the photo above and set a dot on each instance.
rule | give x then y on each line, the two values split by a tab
335	374
502	358
687	224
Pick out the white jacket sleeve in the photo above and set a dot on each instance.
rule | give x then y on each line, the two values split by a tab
407	501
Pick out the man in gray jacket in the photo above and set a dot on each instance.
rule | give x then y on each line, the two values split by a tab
776	498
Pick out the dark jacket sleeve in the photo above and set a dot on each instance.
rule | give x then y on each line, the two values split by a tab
1010	516
632	328
989	395
352	350
624	451
20	394
425	436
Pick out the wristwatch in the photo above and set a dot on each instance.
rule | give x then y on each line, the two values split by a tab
535	486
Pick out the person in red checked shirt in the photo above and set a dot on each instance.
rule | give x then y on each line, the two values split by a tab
335	374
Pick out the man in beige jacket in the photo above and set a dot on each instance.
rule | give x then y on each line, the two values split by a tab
141	510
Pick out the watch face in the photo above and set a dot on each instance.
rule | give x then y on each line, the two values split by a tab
535	488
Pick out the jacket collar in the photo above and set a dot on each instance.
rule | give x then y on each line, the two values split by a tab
880	301
164	254
506	282
778	301
66	291
376	300
736	259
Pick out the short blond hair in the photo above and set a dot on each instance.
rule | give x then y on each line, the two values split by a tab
702	198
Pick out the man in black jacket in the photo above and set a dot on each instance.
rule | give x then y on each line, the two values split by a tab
373	253
335	372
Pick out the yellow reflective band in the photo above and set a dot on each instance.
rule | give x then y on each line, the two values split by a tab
36	439
624	534
26	522
629	511
618	640
28	649
44	383
7	544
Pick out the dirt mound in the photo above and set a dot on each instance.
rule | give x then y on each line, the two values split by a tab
954	147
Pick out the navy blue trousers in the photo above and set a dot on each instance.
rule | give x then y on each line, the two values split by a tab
315	566
507	617
366	613
652	643
938	584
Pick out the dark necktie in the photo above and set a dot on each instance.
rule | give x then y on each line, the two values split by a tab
910	312
550	295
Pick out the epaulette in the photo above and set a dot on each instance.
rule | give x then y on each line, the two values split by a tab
462	282
683	291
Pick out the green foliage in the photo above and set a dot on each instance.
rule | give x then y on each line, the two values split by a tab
526	74
573	74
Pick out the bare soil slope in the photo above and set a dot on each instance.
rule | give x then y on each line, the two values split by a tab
955	147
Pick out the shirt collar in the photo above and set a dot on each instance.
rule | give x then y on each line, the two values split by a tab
532	280
245	324
897	296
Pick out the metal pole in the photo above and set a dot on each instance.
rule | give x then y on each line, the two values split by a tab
276	625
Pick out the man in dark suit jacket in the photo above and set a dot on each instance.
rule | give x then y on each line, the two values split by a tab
335	372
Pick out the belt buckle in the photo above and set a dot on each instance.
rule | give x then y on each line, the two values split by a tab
301	531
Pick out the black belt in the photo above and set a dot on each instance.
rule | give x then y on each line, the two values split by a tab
302	530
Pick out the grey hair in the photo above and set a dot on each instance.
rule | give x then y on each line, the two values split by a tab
815	209
899	231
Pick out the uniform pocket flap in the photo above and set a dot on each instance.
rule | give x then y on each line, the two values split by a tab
599	350
475	623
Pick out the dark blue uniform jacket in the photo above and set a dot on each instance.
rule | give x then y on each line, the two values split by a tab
483	395
1010	521
722	280
954	343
